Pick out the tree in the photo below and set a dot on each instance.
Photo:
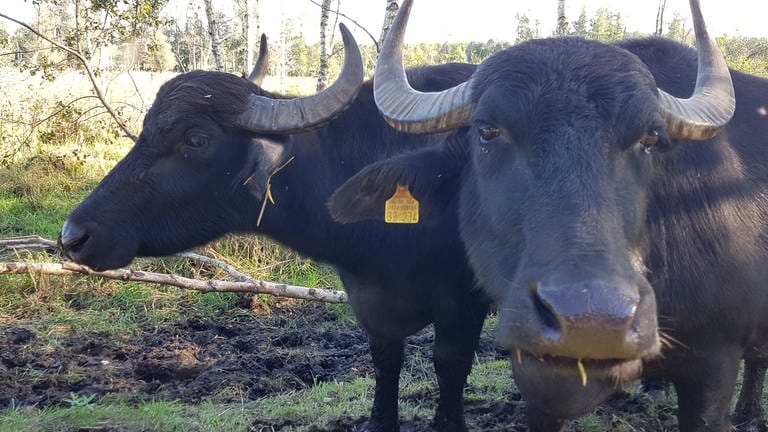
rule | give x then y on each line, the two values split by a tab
5	43
562	22
250	29
476	52
213	33
676	29
150	52
581	25
322	73
748	54
189	41
81	29
389	16
607	26
660	18
526	31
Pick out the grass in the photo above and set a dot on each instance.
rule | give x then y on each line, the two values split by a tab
115	414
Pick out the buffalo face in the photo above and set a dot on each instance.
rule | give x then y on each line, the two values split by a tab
191	177
552	211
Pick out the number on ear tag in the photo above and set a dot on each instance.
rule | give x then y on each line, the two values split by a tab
402	207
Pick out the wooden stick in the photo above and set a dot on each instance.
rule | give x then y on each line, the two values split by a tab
238	275
255	286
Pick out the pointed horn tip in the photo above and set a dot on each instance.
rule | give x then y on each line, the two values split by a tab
348	38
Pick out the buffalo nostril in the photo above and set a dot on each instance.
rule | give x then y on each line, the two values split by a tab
546	316
71	238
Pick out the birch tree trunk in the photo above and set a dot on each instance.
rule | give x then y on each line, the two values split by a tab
389	15
248	32
660	18
250	17
322	73
562	22
213	32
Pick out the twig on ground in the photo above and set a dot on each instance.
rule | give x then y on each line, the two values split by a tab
14	244
242	277
245	283
256	286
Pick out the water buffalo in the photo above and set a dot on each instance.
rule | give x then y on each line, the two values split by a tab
214	145
642	236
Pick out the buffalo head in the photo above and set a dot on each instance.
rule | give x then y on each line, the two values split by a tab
201	165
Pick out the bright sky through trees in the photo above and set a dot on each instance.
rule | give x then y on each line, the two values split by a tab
478	20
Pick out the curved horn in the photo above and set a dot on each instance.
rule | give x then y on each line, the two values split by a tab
262	63
713	102
409	110
285	116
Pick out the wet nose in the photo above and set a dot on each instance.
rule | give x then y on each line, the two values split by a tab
71	238
592	319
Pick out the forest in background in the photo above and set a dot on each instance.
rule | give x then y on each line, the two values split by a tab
91	67
140	35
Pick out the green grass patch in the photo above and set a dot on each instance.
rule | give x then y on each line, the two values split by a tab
490	381
115	414
320	404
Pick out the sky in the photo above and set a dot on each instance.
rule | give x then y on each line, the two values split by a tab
478	20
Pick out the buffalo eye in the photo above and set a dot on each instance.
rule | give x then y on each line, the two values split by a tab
489	133
196	142
649	140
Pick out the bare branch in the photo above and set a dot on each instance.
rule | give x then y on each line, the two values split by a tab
88	71
246	283
205	286
357	24
27	242
217	263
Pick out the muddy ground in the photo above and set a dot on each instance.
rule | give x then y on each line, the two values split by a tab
195	358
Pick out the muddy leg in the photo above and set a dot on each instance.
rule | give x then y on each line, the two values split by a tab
749	411
456	338
704	389
387	361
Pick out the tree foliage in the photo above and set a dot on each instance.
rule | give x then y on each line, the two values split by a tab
526	29
747	54
96	29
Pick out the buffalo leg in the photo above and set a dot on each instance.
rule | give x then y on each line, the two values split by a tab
749	410
704	390
387	358
456	339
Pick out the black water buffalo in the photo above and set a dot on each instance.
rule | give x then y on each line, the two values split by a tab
602	211
214	145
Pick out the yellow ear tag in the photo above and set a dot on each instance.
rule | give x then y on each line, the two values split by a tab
402	207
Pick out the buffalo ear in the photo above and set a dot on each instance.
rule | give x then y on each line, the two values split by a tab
264	158
431	175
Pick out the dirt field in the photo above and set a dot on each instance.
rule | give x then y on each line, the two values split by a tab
192	359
